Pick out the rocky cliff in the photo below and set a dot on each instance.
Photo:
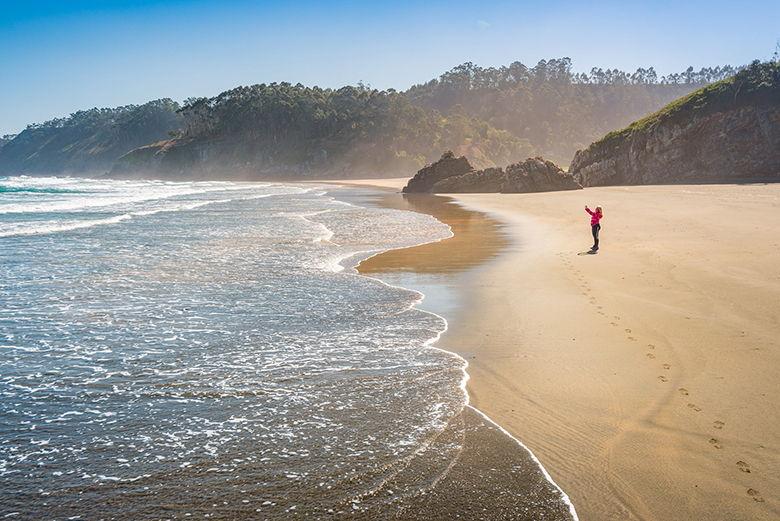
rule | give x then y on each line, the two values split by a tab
452	174
89	141
726	132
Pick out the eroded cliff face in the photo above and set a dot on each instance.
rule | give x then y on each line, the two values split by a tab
738	140
455	175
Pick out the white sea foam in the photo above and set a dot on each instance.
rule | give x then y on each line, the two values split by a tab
227	337
74	201
431	343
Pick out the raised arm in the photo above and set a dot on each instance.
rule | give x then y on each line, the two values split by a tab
589	210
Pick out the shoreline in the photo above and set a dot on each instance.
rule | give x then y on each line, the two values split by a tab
380	266
611	367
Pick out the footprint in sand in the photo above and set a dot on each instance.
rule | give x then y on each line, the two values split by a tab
667	366
755	494
628	330
743	466
650	346
663	378
715	443
650	355
616	317
631	338
613	323
719	424
683	391
694	407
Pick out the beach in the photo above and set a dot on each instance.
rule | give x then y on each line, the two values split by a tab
644	378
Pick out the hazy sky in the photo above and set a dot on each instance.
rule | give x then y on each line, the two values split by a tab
59	56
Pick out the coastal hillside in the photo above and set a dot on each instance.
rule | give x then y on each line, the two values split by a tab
555	109
4	140
88	141
727	131
452	174
280	130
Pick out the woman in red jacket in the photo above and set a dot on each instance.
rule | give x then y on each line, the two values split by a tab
595	225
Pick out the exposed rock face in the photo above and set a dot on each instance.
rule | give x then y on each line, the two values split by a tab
537	175
447	166
455	175
726	132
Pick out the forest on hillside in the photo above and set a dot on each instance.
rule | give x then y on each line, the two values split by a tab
87	141
6	139
554	109
282	126
494	115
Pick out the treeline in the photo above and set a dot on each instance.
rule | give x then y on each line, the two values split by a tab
725	131
88	141
555	110
283	129
559	71
493	115
6	139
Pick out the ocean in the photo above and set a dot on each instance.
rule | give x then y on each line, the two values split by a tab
207	349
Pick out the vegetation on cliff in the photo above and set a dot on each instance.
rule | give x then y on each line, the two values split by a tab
726	131
492	115
554	109
282	129
756	83
88	141
5	139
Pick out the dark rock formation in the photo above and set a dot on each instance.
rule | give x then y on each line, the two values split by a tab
537	175
726	132
455	175
447	166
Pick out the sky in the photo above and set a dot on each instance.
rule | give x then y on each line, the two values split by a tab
60	56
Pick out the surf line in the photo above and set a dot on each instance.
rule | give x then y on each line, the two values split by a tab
430	343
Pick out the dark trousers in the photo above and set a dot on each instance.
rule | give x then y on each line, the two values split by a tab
595	229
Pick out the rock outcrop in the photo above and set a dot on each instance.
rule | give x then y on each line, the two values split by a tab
453	174
726	132
428	176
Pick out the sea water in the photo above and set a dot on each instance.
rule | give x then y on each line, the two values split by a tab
206	347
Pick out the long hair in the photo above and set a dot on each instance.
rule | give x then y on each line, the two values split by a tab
599	211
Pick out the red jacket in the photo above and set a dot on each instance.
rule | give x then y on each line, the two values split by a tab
595	217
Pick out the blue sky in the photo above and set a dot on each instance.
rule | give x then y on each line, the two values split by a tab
63	55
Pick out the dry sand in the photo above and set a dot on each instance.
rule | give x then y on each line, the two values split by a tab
645	378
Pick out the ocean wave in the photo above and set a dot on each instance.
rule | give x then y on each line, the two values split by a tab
47	227
33	190
80	195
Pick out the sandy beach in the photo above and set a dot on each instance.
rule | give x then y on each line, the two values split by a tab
645	377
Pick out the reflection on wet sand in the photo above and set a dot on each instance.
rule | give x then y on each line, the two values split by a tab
477	238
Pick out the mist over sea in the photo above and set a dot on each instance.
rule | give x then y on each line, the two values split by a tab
207	348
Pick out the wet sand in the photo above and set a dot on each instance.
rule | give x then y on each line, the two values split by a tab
490	476
645	378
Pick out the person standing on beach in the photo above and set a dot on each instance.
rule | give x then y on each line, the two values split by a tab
595	225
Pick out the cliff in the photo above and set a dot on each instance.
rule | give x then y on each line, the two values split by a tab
88	141
452	174
726	132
